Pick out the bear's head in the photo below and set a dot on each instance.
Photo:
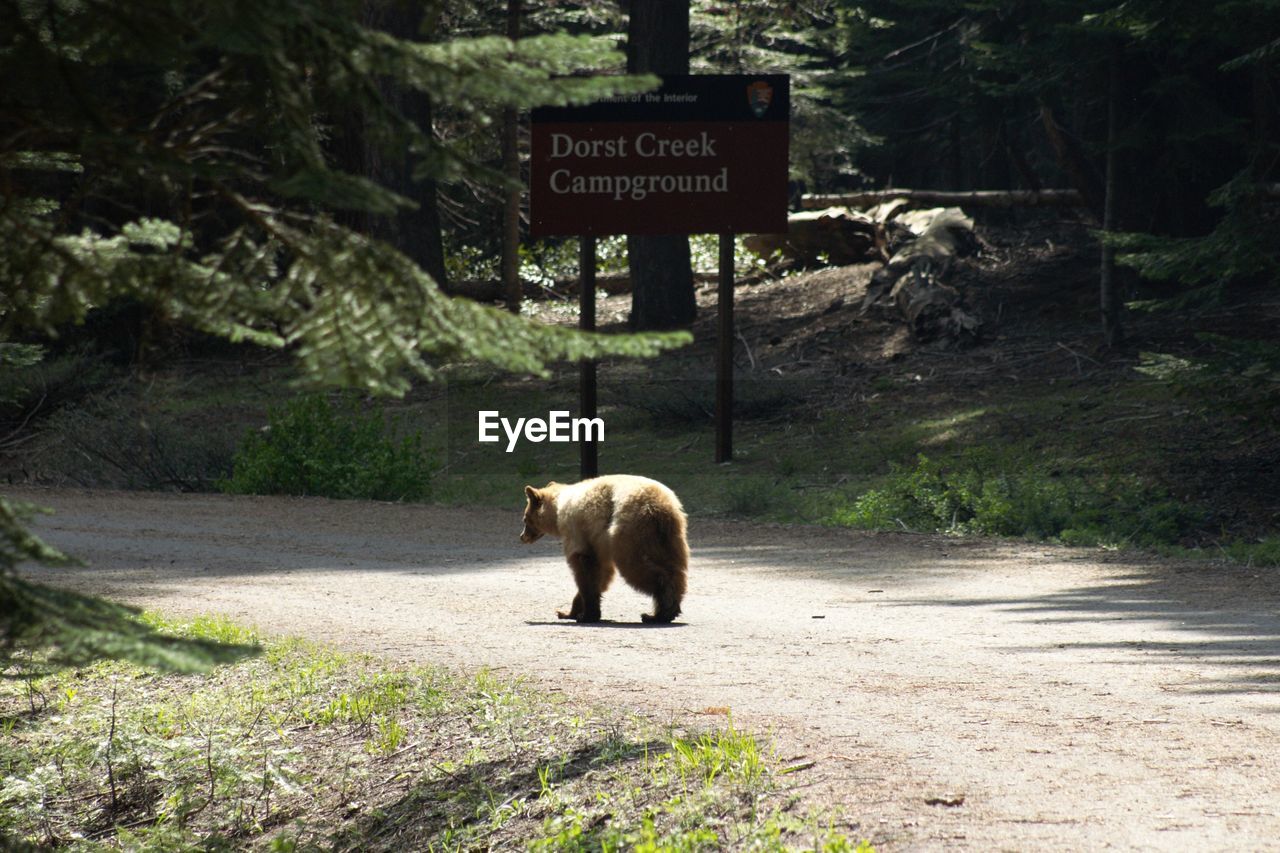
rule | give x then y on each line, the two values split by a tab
539	513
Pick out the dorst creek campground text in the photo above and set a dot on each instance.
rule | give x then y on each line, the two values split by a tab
557	427
644	146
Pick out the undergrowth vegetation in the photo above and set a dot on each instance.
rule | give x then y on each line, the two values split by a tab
76	417
1166	454
1238	375
1005	470
977	492
547	261
314	446
305	747
130	438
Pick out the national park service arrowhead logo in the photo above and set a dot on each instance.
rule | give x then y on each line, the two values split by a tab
759	96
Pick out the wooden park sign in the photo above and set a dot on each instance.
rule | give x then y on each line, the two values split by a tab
702	154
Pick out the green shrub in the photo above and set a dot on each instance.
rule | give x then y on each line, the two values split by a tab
313	446
979	493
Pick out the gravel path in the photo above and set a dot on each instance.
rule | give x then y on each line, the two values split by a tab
1073	699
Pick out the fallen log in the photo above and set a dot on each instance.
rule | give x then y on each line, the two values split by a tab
933	309
837	234
934	198
914	282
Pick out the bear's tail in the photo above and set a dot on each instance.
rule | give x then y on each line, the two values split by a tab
665	542
670	547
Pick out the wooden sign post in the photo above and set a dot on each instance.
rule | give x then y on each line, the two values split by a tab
724	353
588	456
703	154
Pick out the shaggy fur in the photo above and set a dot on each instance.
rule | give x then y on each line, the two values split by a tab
632	524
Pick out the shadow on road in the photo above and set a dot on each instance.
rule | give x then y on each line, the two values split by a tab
605	623
1224	618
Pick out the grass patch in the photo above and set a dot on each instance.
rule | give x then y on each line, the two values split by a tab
1264	553
980	492
305	747
1007	468
726	753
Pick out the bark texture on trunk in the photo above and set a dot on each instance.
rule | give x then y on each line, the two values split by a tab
415	232
511	287
1109	290
661	272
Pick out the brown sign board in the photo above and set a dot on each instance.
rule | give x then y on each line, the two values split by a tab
702	154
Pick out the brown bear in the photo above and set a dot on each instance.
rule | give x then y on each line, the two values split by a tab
633	524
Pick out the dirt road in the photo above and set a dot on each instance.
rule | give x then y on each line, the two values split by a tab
1072	701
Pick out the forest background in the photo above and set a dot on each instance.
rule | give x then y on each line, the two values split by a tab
235	245
209	210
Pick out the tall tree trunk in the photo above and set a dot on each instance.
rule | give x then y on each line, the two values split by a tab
1074	161
661	272
955	152
511	168
1109	289
1029	177
416	232
1264	108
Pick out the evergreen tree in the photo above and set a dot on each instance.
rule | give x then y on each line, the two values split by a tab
175	152
1148	108
992	93
802	40
182	154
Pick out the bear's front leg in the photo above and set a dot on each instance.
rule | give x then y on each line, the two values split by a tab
586	572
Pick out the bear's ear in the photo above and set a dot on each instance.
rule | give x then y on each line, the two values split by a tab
532	494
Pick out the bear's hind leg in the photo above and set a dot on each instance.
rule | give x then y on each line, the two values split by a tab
666	605
575	610
668	592
588	575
